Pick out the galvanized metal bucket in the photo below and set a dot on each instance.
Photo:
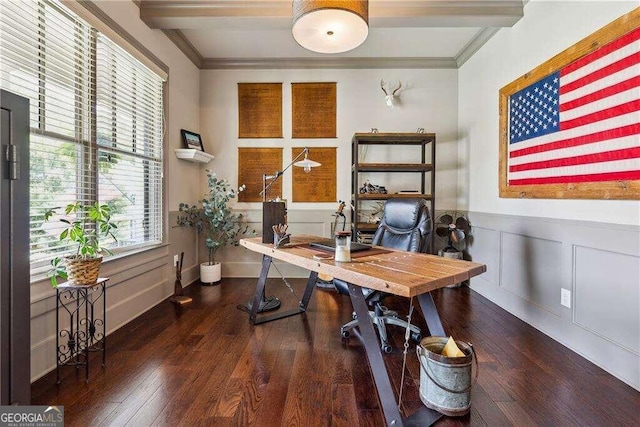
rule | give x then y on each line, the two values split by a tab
446	382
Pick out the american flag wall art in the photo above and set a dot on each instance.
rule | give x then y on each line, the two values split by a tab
575	132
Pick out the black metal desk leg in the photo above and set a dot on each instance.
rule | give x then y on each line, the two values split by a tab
372	348
431	315
311	284
262	280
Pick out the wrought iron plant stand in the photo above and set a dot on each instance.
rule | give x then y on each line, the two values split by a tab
85	332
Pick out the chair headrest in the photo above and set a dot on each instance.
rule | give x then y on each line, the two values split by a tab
404	214
406	225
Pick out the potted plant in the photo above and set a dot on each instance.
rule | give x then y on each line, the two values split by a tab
91	222
216	223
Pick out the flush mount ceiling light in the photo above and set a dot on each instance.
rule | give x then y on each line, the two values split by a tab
330	26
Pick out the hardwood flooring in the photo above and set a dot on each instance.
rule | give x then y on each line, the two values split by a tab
204	364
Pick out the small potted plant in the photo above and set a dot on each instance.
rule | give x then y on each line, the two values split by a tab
216	222
91	222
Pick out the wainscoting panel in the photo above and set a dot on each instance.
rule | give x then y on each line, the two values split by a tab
598	263
537	280
607	295
137	283
487	241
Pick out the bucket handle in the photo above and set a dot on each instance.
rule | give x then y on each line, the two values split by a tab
427	369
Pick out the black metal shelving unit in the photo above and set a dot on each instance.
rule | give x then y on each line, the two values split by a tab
426	168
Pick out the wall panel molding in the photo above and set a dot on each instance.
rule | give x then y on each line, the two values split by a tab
43	352
597	262
606	294
137	283
535	281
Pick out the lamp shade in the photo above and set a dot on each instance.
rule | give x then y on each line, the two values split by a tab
330	26
307	164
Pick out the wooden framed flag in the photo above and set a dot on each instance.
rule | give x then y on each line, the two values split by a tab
570	128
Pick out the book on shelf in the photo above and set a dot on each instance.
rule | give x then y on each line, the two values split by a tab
408	192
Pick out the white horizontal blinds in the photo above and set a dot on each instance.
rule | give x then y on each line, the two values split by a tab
46	57
129	137
84	145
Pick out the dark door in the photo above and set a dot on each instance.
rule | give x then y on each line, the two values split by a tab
15	319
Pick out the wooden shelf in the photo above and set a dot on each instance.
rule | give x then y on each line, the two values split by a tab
367	226
395	138
193	155
376	196
394	167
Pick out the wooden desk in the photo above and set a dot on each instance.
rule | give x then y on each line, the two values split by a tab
397	272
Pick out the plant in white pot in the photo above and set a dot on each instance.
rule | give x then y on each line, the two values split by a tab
89	223
216	223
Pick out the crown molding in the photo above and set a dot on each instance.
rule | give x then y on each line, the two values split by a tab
327	63
179	39
92	13
474	45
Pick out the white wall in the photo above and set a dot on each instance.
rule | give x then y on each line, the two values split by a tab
138	282
548	27
429	101
534	248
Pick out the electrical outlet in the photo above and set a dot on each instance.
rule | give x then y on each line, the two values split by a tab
175	260
565	297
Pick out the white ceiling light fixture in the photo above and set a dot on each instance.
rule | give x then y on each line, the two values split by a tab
330	26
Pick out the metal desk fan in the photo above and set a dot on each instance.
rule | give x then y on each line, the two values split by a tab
456	232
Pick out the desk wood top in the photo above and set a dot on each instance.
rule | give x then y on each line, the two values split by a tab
401	273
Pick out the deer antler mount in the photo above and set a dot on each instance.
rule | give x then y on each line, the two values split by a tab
392	98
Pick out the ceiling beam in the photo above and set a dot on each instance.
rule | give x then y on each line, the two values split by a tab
171	14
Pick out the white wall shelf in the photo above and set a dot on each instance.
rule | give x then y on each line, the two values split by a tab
193	155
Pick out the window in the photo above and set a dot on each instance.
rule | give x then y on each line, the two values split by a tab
96	124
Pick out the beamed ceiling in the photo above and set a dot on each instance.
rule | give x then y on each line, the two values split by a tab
218	34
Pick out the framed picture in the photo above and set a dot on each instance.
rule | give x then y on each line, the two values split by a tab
191	140
569	128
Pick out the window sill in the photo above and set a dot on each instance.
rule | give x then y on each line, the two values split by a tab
113	258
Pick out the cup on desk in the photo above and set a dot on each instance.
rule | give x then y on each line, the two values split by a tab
343	246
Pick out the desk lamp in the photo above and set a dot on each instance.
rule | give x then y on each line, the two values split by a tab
274	213
307	164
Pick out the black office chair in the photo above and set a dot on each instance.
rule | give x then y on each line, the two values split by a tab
406	225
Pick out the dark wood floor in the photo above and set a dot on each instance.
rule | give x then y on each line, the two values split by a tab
205	365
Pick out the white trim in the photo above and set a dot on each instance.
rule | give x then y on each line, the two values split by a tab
94	16
328	63
474	45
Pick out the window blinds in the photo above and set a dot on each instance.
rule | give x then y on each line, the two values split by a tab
96	124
